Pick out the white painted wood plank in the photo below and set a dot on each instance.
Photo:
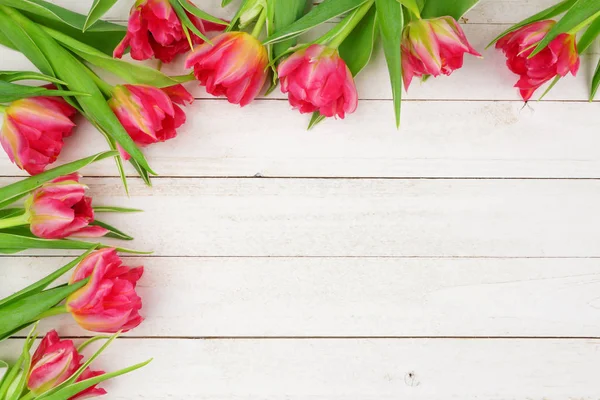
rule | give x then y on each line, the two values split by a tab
323	217
487	11
318	297
479	79
438	139
353	369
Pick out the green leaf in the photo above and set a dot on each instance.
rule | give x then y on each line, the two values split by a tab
23	42
4	368
11	91
192	9
358	47
324	12
15	76
225	3
27	309
246	4
107	209
582	13
391	23
70	70
186	22
11	243
13	192
548	13
98	9
112	231
595	83
441	8
43	283
285	13
132	73
413	6
72	389
590	34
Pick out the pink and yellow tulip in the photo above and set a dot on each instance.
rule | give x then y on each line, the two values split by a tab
33	131
59	209
108	302
433	47
318	79
235	65
54	362
558	59
155	30
150	115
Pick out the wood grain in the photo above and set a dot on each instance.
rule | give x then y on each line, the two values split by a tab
364	369
350	297
373	217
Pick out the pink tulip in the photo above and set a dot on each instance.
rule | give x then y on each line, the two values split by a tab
59	209
150	115
54	362
559	58
155	30
234	66
33	131
433	47
108	302
318	79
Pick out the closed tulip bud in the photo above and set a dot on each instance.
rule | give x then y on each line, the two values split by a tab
433	47
59	209
558	59
54	362
148	114
33	131
155	30
108	302
318	79
235	65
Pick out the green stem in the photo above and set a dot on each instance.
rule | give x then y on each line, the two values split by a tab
262	19
19	220
28	396
102	85
3	108
335	37
52	312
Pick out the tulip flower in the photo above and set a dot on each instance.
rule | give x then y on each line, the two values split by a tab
150	115
33	131
108	302
235	65
433	47
558	59
59	209
155	30
318	79
54	362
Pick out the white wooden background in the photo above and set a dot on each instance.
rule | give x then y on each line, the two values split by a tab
456	259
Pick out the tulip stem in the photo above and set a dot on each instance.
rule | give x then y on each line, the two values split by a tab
11	222
52	312
3	108
28	396
336	36
262	19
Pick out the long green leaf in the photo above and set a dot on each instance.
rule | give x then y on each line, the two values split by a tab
44	282
112	231
130	72
325	11
595	83
11	91
548	13
15	76
588	37
413	6
13	192
78	387
582	13
390	17
11	243
441	8
285	13
98	9
186	22
192	9
70	70
24	310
